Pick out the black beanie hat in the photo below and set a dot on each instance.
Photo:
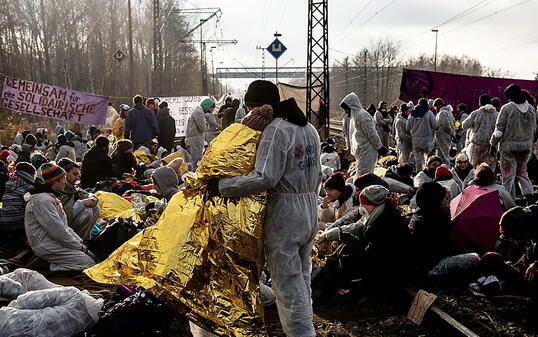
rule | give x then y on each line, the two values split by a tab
261	92
102	142
514	94
369	179
336	181
484	99
430	195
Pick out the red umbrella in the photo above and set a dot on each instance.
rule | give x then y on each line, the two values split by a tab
475	215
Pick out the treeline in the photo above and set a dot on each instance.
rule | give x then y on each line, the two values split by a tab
375	72
70	43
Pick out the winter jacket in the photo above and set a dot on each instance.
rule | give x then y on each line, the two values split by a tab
12	211
331	160
96	166
431	231
420	125
66	151
515	128
167	128
141	125
383	240
481	124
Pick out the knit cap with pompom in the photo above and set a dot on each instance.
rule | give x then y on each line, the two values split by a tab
258	118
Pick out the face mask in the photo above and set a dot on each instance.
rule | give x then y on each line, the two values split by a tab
431	171
363	211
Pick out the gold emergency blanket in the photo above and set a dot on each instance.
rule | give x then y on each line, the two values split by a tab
205	254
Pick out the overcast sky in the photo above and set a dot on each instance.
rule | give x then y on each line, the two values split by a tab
507	40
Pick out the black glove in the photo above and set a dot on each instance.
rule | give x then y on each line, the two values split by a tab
493	151
454	139
382	151
213	187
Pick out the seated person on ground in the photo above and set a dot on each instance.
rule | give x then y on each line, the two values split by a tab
338	200
79	206
380	239
45	222
428	174
485	177
444	177
431	228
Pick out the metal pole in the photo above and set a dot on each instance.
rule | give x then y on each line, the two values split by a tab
365	56
276	71
212	69
131	53
436	31
202	58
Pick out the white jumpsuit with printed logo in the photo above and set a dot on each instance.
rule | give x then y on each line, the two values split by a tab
288	166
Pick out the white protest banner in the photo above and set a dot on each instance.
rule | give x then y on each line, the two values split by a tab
46	100
181	109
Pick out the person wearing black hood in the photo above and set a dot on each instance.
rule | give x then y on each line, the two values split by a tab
421	125
167	127
288	166
514	134
431	228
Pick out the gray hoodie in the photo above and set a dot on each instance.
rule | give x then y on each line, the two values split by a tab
166	179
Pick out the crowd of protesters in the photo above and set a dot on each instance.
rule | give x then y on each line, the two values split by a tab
379	200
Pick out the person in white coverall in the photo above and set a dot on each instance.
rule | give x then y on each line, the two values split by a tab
514	134
364	140
196	128
420	125
403	137
445	129
288	166
480	125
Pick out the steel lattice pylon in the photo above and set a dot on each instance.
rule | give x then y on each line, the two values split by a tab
317	83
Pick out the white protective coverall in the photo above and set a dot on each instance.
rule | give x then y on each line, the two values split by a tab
480	126
288	165
420	125
445	131
50	237
382	125
196	128
240	114
364	139
212	127
403	139
514	133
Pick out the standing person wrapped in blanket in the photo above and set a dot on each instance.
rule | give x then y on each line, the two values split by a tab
288	165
